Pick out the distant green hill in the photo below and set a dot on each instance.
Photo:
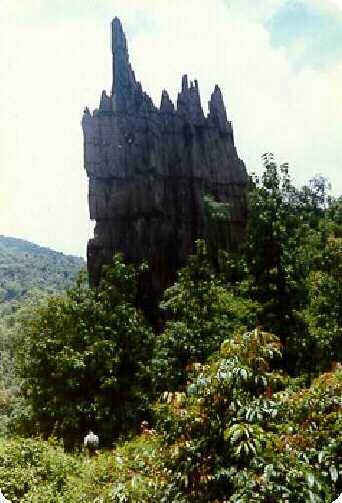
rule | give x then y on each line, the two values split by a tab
26	268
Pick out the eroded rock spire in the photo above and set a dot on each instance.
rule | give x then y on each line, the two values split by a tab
124	84
127	94
149	170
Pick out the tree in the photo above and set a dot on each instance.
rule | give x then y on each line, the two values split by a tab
323	312
202	311
285	236
83	359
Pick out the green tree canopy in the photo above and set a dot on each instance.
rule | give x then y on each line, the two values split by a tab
83	359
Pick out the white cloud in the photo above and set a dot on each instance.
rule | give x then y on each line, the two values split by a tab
338	3
56	60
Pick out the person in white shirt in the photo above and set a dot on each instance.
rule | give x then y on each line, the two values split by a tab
91	443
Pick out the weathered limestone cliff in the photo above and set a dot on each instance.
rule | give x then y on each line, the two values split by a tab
149	169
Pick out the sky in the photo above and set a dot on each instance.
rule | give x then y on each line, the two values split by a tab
277	62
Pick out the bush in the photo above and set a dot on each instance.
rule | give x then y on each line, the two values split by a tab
29	466
233	437
36	471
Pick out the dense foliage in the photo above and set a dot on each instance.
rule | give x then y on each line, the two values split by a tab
242	432
202	310
242	386
34	471
30	468
27	273
292	255
82	360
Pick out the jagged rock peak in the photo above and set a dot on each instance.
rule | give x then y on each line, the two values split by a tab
216	99
196	110
189	101
127	94
185	85
105	103
217	111
183	99
166	105
118	35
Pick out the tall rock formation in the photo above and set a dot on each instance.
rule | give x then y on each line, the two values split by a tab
149	170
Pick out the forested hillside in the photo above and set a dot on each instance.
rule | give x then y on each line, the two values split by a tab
26	268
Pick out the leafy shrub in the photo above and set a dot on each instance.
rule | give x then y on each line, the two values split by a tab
233	437
36	471
28	466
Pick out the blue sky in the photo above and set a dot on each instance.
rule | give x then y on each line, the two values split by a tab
316	30
278	63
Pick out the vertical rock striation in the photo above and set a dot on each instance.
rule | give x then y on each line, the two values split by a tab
149	170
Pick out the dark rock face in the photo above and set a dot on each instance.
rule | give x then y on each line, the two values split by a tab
149	170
